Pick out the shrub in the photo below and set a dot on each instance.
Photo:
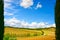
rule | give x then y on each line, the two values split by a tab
9	37
6	37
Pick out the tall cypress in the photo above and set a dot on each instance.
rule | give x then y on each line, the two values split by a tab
1	20
57	19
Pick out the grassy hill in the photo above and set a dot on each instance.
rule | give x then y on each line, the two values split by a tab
11	33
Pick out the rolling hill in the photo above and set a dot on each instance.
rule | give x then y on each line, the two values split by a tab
11	33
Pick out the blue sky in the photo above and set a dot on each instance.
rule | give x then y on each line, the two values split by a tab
30	12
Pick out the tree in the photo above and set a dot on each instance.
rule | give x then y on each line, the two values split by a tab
1	20
57	19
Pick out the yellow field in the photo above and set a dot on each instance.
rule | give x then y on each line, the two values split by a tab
48	34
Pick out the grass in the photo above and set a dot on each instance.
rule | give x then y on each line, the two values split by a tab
28	34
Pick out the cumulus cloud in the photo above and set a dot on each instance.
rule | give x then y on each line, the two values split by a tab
22	24
38	5
12	22
53	25
26	3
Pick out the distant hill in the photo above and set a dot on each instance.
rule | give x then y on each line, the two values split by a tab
31	28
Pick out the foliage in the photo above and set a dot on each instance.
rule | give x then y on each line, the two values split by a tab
9	37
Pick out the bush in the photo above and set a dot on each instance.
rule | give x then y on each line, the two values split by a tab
6	37
9	37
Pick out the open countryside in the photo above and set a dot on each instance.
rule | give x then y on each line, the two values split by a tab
29	34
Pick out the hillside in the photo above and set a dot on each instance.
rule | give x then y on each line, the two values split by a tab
29	34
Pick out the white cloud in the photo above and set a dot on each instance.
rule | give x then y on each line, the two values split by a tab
12	22
7	0
9	9
26	3
17	23
38	5
7	5
53	25
8	14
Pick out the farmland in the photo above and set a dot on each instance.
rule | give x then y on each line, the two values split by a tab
11	33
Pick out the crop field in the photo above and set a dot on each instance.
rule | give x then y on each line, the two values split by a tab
29	34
